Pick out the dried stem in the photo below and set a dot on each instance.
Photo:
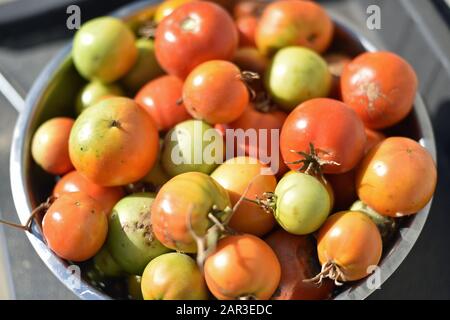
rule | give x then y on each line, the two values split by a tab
329	270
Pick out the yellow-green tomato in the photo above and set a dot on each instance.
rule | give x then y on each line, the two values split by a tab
297	74
105	264
173	276
93	92
192	145
104	49
145	69
167	7
302	203
131	240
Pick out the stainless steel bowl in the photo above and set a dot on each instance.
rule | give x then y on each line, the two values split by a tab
53	94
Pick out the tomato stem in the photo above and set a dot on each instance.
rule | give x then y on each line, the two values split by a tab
329	270
268	202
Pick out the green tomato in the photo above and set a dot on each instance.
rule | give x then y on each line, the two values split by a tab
105	264
104	49
302	203
93	92
173	276
145	69
295	75
192	145
131	241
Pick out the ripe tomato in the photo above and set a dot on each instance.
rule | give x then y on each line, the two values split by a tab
73	181
167	7
298	259
49	147
75	226
131	240
380	87
294	23
373	138
348	244
160	98
247	28
344	189
250	59
397	177
333	128
302	203
196	32
188	196
173	276
249	8
114	142
215	92
95	91
253	118
242	266
235	176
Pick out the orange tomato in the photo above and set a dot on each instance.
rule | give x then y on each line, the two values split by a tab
73	181
380	87
242	266
49	147
235	175
397	177
75	226
350	244
114	142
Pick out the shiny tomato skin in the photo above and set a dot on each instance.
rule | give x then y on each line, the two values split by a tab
294	23
214	92
351	241
196	32
75	226
167	7
49	147
247	28
161	99
397	177
333	128
298	259
380	87
242	265
73	181
244	174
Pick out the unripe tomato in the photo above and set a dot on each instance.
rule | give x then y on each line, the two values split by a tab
244	174
294	23
173	276
215	92
311	78
298	259
247	28
167	7
73	181
242	266
105	264
161	99
95	91
349	243
302	203
131	240
334	129
397	177
380	87
75	226
114	142
196	32
104	49
188	198
49	147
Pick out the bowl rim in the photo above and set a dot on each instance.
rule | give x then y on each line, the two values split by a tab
84	290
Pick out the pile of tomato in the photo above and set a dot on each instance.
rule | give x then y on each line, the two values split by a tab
131	201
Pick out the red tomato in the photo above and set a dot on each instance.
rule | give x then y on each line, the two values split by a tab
107	197
298	259
75	226
344	189
215	92
252	118
247	28
49	147
397	177
196	32
333	128
380	87
249	8
373	138
161	98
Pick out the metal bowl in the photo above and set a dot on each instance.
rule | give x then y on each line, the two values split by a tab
53	93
